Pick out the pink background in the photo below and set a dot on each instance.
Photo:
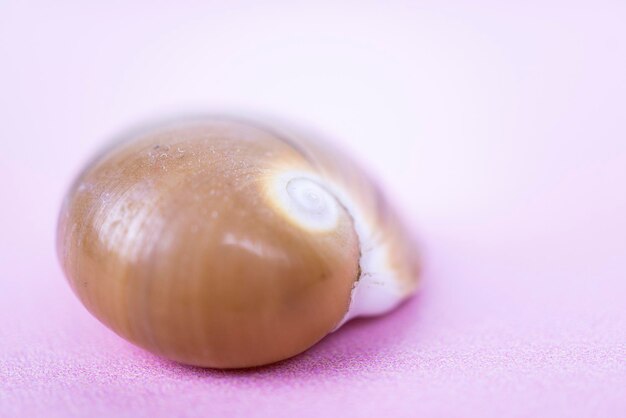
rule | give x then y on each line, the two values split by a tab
500	129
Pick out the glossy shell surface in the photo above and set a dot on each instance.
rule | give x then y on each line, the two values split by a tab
223	243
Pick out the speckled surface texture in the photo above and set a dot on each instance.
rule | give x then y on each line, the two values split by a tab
504	146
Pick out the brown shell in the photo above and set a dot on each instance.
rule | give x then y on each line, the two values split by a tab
171	240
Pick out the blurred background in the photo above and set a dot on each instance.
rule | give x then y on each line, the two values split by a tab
498	127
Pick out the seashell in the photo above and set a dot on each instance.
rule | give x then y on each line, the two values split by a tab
222	243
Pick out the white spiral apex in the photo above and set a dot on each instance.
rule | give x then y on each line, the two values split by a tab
306	202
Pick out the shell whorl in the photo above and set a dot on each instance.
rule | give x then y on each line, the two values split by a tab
382	284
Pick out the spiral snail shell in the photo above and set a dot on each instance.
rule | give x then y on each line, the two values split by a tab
221	243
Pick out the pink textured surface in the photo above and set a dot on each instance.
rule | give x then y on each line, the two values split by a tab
499	129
